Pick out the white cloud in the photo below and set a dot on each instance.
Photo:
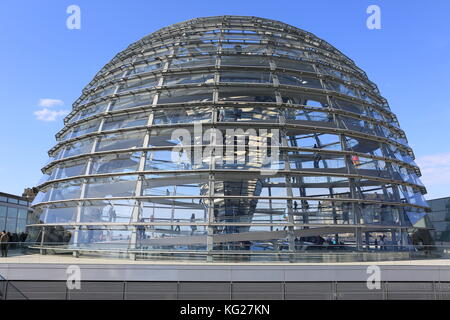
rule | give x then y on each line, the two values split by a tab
50	103
49	115
435	170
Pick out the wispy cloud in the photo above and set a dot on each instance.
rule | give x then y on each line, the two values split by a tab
435	169
47	114
50	103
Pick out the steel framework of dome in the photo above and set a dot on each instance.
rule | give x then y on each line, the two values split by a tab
119	179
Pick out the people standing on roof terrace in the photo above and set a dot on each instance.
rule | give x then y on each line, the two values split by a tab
4	239
193	226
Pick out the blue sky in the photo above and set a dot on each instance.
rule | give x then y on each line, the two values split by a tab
41	59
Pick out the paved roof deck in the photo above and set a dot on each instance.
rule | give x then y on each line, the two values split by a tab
69	259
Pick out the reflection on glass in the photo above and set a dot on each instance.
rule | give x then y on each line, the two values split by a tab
121	162
118	186
116	141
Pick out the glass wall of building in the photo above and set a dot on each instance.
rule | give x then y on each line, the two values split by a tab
439	216
14	211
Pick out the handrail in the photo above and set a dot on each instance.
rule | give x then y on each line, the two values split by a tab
303	250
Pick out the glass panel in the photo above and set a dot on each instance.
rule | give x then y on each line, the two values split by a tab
78	147
22	214
185	95
167	137
295	80
101	93
318	186
371	190
59	214
284	51
332	72
294	65
246	158
314	140
42	196
85	128
36	215
13	200
290	97
66	190
143	67
186	49
363	145
3	210
185	115
359	125
133	101
121	186
121	162
303	161
12	213
365	96
240	48
11	225
182	184
413	196
116	141
371	167
21	226
56	155
69	170
119	211
158	210
2	223
248	77
301	115
45	177
251	113
247	61
323	58
151	53
173	80
125	121
104	238
138	84
239	35
184	155
109	76
92	110
191	62
242	210
247	94
341	88
349	106
165	160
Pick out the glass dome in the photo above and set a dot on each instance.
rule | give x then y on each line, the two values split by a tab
229	136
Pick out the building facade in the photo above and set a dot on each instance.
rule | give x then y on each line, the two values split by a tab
224	135
14	211
439	216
